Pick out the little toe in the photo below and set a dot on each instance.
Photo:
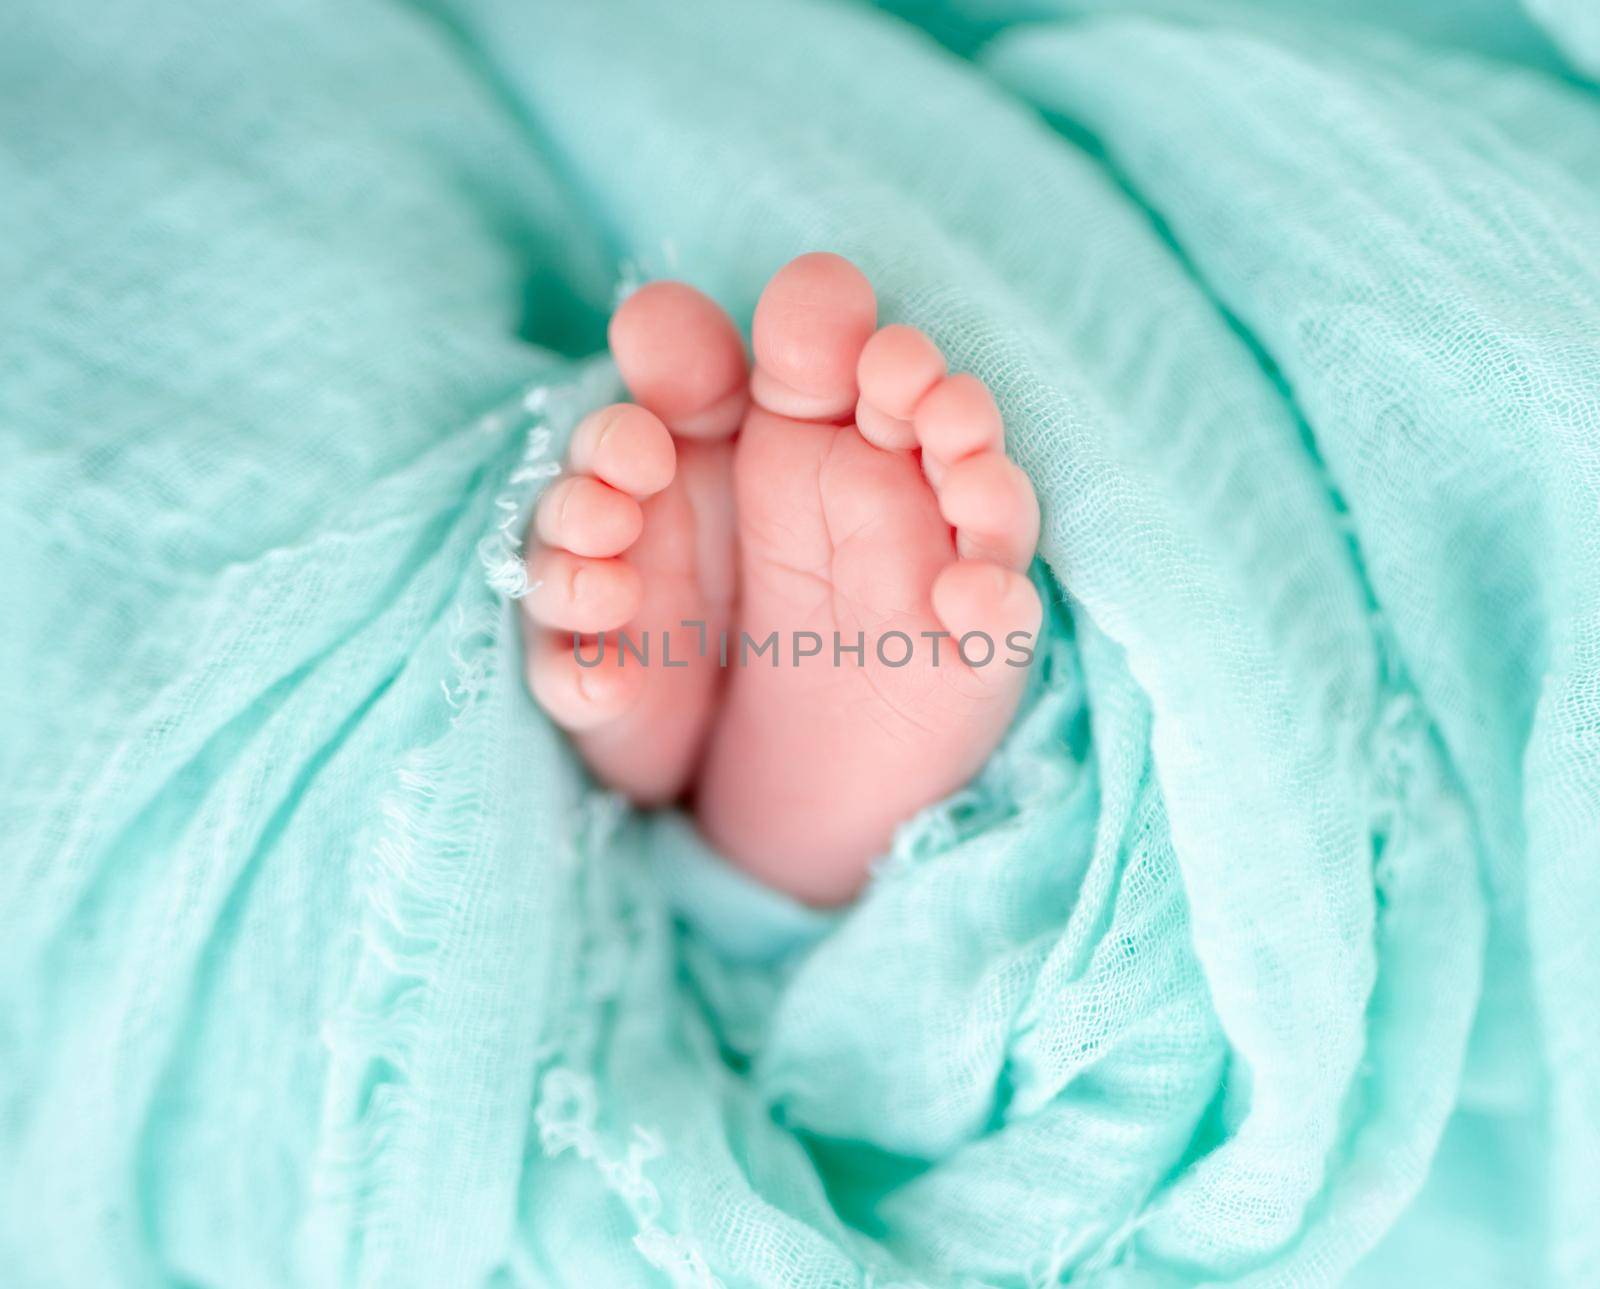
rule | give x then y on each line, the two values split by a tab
571	593
680	356
897	368
989	501
810	326
578	682
955	419
582	515
992	612
626	446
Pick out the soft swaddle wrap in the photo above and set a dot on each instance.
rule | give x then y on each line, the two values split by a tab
1263	951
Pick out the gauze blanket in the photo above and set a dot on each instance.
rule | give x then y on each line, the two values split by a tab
1264	951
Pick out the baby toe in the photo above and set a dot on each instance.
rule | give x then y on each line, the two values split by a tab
989	501
810	326
680	355
625	446
578	682
897	368
955	419
582	515
571	593
992	612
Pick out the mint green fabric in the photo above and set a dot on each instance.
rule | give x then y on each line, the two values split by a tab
1262	953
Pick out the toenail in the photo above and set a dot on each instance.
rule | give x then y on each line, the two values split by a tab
584	690
603	431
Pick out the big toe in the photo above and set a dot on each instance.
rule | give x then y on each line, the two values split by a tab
810	326
680	356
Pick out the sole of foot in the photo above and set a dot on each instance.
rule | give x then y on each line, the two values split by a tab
847	515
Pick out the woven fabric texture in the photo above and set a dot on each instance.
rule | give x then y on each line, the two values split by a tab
1262	953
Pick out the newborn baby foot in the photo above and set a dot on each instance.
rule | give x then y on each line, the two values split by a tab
853	559
882	538
635	540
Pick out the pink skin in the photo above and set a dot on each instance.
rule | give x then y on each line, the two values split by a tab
846	485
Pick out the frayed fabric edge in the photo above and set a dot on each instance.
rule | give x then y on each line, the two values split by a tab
372	1036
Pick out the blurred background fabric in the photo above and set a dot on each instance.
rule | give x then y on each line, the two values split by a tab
1263	953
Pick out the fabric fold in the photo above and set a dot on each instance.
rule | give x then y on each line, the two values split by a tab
1260	952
